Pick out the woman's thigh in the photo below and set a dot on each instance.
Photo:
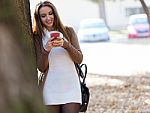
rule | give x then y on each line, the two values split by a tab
70	108
53	108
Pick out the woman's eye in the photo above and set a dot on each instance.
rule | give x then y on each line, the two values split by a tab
42	16
50	13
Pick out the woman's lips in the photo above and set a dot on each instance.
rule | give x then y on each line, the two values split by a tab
49	22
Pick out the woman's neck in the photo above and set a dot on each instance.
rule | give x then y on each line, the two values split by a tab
50	29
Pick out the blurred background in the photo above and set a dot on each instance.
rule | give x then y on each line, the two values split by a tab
114	12
119	54
115	46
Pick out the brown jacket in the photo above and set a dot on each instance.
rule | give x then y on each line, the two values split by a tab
71	45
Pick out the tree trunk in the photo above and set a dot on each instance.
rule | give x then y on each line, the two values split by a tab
18	82
146	10
102	10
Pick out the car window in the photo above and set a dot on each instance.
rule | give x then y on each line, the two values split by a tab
140	21
93	25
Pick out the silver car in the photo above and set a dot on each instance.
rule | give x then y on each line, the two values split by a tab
93	29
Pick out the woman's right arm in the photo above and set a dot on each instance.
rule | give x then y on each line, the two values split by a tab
41	54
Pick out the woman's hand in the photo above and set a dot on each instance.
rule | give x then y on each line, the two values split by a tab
57	42
54	42
48	45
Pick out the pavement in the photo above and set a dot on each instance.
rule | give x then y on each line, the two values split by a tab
137	61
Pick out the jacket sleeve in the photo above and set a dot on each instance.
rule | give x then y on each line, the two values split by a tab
41	54
73	46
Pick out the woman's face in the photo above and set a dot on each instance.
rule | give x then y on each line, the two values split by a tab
47	17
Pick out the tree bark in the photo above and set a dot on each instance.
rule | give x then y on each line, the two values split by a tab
145	10
18	82
102	10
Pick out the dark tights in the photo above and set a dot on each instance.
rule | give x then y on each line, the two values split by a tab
64	108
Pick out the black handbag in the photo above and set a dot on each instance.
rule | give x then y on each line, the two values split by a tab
84	89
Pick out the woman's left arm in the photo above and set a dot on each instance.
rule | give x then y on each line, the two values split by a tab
73	46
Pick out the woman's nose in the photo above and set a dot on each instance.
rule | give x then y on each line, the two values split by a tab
48	17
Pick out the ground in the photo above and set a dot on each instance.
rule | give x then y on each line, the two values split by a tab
119	94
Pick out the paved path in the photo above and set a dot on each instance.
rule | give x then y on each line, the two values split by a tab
117	57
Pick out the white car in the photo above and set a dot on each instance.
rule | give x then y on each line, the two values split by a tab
93	29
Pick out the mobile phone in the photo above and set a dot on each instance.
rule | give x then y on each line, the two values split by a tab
55	34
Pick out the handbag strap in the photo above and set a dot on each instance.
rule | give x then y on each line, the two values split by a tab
80	71
85	71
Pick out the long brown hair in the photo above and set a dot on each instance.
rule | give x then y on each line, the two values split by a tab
37	24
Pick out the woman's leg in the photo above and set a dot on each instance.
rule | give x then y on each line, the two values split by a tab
70	108
53	108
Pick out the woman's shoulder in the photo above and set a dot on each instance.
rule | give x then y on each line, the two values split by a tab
69	27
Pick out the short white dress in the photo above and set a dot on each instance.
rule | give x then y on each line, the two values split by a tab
62	83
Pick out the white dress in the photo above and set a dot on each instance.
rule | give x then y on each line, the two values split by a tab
62	83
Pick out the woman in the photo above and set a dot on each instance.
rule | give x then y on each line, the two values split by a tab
56	58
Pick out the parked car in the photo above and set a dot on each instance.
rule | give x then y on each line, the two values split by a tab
93	29
138	26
